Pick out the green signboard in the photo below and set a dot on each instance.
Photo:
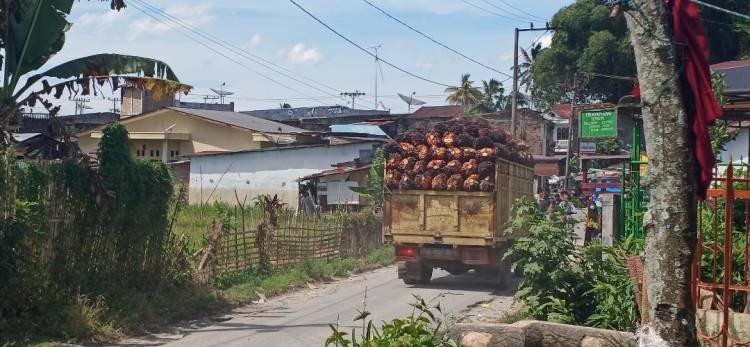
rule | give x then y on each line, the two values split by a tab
598	123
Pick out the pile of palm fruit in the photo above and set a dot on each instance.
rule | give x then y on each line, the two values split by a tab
457	155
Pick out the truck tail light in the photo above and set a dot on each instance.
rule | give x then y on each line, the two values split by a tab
405	252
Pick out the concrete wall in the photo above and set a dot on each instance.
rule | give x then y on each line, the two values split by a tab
216	177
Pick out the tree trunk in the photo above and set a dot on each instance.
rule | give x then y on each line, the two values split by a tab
670	221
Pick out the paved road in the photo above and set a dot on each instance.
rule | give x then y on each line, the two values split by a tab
302	318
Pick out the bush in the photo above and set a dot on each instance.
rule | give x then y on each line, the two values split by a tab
421	328
565	284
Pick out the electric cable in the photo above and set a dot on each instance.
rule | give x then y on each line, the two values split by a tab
433	40
365	50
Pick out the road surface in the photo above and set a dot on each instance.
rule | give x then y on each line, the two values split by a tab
302	318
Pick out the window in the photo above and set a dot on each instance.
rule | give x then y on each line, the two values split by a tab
157	153
152	153
562	133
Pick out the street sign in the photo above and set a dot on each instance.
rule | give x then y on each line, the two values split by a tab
587	147
598	123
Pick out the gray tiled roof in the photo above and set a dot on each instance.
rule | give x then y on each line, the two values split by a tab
241	120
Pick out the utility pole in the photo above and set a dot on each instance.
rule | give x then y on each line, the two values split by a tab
570	130
80	104
352	95
114	100
514	96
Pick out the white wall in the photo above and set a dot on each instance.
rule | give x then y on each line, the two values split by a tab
737	148
217	177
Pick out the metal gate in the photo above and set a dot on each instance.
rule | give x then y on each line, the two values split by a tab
721	262
633	196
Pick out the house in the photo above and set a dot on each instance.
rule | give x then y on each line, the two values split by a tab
38	122
174	133
736	110
228	176
531	127
38	145
318	118
331	189
428	116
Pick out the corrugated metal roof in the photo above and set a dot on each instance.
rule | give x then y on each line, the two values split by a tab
240	120
359	128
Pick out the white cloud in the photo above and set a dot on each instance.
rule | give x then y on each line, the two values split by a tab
254	41
546	40
99	19
424	66
191	15
301	54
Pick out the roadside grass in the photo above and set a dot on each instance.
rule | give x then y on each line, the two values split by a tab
243	287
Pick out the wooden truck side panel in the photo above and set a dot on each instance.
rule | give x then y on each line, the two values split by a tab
456	217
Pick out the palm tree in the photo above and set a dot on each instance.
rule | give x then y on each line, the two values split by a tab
465	94
493	97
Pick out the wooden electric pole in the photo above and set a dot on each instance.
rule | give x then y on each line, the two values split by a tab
670	222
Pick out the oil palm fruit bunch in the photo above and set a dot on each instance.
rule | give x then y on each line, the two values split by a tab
455	155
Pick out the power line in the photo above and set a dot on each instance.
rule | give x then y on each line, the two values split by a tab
145	11
508	12
522	11
721	9
433	40
365	50
236	50
492	12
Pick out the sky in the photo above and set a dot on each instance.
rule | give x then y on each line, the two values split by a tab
279	32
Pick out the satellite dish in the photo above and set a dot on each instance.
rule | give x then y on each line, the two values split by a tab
221	92
410	100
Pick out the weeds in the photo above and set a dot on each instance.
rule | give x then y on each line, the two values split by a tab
421	328
241	287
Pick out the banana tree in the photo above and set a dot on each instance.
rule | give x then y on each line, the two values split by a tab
31	32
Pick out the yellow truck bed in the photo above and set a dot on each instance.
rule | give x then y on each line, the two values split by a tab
456	217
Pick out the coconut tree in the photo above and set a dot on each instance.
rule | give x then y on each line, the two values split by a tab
465	94
31	32
492	94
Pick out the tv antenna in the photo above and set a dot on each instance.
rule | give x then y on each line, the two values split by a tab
221	93
378	68
410	100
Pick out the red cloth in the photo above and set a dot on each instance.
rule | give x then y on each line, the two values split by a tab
636	91
698	96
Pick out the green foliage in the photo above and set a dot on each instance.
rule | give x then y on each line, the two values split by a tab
609	146
59	240
465	94
241	286
586	40
421	328
565	284
374	189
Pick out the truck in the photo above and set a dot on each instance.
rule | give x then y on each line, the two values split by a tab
456	231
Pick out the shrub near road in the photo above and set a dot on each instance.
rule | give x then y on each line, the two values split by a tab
566	284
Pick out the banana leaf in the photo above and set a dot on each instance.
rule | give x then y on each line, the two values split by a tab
105	65
36	31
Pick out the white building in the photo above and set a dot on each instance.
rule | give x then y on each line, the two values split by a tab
217	176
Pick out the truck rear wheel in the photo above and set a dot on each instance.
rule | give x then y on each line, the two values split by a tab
415	273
